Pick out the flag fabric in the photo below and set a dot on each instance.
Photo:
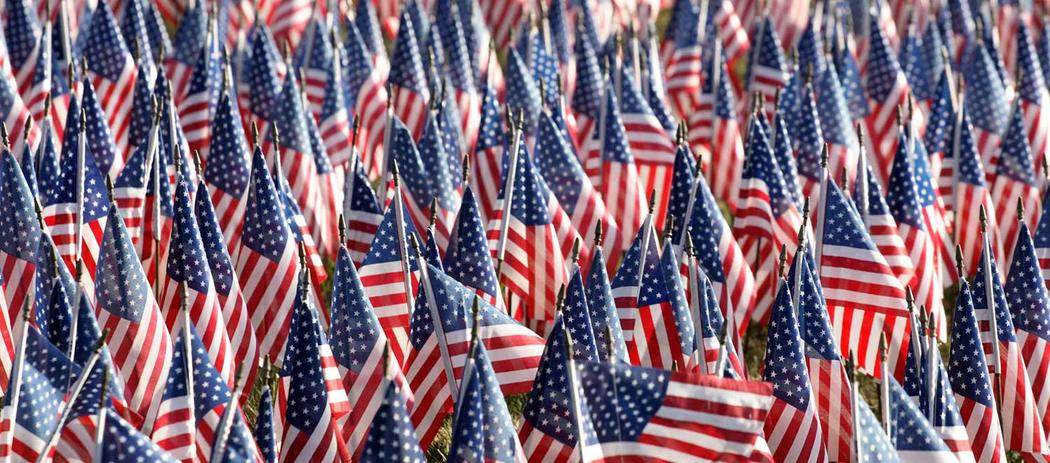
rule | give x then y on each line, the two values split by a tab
202	94
887	90
767	68
972	194
684	65
714	132
1032	94
21	32
733	417
619	182
1021	419
938	401
792	427
986	104
20	235
971	384
140	344
882	227
650	145
766	215
865	299
383	274
914	437
518	348
392	435
263	73
482	429
808	137
230	299
333	119
939	139
129	191
487	169
835	122
112	72
361	211
367	98
409	92
1015	184
267	261
227	171
605	321
874	443
359	348
190	37
304	241
468	259
122	441
264	427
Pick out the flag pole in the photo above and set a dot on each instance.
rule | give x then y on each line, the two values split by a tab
187	345
800	254
862	177
73	393
468	364
695	306
884	387
508	192
821	206
399	222
680	138
100	426
16	368
574	400
435	315
989	292
854	399
226	424
79	185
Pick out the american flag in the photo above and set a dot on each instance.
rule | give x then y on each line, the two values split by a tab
808	137
789	18
828	377
708	322
620	184
649	402
34	394
723	20
315	399
388	275
1015	190
460	72
267	261
407	80
22	33
367	97
574	191
534	263
433	191
262	78
547	431
361	211
1030	307
887	89
626	286
792	428
971	384
425	369
503	18
392	434
684	65
227	171
937	400
487	168
904	198
300	230
522	92
13	112
334	125
650	145
834	114
20	234
663	330
715	132
934	212
136	34
483	429
767	67
235	313
587	101
1033	95
47	82
367	24
265	439
850	77
1021	419
314	61
359	348
289	19
865	299
194	400
873	441
987	105
60	204
912	434
202	94
939	139
468	259
140	344
766	215
111	69
187	267
912	59
99	138
784	151
881	226
324	227
123	441
608	335
972	195
129	189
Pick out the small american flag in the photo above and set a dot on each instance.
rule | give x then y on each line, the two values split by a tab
112	71
937	400
1015	184
608	335
619	184
392	435
784	151
766	216
20	234
34	394
483	429
367	24
547	431
129	189
522	92
460	73
728	29
13	111
202	95
289	19
263	72
187	267
882	227
875	445
913	62
887	89
648	402
683	56
22	33
334	124
407	78
850	75
767	67
140	344
715	132
227	172
808	137
48	82
123	441
77	438
792	428
1030	307
137	35
939	140
971	384
361	211
1033	95
424	368
487	168
267	261
650	145
468	259
912	434
664	331
828	377
1021	419
971	195
441	196
321	229
314	401
367	97
502	18
587	105
383	273
574	191
835	123
626	286
987	106
314	59
359	348
263	431
850	266
235	313
708	321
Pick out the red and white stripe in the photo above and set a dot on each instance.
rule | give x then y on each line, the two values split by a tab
1021	416
117	98
623	193
365	392
832	393
61	220
411	108
385	285
927	285
793	434
207	319
1037	123
983	428
970	200
1006	191
720	147
289	19
503	18
269	289
370	108
653	155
